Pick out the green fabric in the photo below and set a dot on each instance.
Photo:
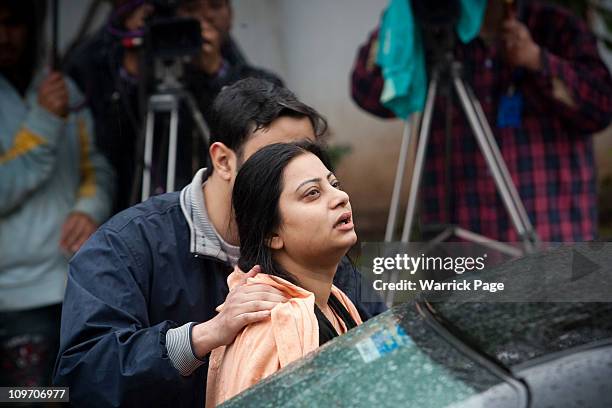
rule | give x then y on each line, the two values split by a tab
401	54
470	19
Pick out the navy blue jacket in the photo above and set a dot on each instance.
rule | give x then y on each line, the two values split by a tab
132	281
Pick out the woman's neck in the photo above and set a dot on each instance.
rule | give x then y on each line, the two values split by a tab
316	279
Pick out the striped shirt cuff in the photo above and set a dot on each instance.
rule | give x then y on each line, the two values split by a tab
180	351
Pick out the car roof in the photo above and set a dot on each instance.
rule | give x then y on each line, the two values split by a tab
553	301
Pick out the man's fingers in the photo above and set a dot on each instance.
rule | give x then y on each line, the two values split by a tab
53	86
54	75
259	287
248	318
51	78
75	232
245	276
272	297
66	231
57	104
255	306
77	245
56	93
57	84
83	233
81	240
254	271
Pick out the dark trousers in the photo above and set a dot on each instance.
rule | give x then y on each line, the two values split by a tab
29	342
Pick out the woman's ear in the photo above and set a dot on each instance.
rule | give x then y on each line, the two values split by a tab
223	160
275	242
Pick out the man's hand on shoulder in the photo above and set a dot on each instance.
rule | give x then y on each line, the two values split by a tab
245	304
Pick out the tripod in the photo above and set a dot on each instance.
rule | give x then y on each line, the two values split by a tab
450	70
168	99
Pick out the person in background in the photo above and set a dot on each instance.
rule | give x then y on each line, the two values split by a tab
107	68
55	189
545	91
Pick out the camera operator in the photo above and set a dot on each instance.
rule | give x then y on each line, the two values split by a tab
221	59
107	68
544	89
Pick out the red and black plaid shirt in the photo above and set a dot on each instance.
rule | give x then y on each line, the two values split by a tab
549	156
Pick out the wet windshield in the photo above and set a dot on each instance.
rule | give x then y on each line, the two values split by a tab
380	364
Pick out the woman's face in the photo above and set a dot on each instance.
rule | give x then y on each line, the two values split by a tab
315	214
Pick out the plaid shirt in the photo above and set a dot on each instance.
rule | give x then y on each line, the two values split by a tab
549	155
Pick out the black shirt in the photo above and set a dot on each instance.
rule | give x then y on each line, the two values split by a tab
326	329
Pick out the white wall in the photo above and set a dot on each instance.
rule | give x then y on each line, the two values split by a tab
71	14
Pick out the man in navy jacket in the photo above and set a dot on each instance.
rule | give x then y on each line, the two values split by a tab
139	288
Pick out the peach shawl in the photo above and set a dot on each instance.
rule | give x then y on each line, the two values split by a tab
262	348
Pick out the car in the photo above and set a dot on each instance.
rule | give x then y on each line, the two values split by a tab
548	347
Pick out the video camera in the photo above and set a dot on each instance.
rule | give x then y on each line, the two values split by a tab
437	19
169	41
436	14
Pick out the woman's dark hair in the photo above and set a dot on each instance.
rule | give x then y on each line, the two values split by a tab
252	104
257	189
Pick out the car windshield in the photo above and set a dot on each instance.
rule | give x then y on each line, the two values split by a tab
379	364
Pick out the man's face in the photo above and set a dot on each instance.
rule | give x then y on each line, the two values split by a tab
13	39
282	130
216	12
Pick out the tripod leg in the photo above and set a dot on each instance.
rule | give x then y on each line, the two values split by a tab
505	173
148	154
409	129
495	164
198	118
419	161
415	179
171	171
202	129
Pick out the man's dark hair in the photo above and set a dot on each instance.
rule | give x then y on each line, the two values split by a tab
257	189
252	104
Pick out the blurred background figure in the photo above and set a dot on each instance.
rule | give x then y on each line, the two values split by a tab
55	189
108	68
536	70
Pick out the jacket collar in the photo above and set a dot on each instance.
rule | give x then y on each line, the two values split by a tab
204	239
